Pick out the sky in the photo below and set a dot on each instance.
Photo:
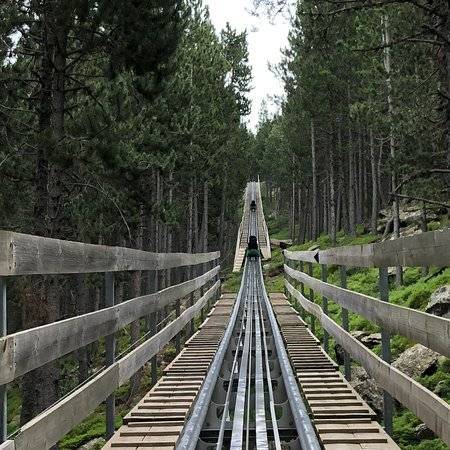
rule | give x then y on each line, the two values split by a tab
265	41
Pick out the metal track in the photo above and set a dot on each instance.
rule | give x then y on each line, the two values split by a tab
253	377
254	401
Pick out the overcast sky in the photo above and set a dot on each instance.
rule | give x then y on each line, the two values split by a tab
265	41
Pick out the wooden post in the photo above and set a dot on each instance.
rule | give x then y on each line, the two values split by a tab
347	362
192	297
295	283
3	387
302	285
219	292
326	346
302	290
110	344
153	330
178	336
388	403
311	299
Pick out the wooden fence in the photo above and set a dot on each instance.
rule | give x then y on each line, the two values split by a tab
24	351
427	249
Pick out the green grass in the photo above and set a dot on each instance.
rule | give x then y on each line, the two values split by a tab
232	282
278	226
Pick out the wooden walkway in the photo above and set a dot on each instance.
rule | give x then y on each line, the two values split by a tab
157	420
342	418
252	192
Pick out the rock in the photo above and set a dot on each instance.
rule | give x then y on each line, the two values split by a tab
392	271
93	445
367	389
410	231
371	340
423	432
282	243
359	334
439	303
408	216
417	361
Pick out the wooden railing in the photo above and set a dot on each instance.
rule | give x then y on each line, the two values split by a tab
427	249
24	351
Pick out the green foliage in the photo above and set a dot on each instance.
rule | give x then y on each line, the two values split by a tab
417	295
91	428
278	226
232	282
14	406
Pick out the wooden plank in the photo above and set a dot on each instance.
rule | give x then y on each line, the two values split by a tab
429	330
50	426
7	445
23	254
426	405
425	249
306	256
352	256
29	349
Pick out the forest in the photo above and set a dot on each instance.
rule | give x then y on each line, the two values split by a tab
125	124
364	124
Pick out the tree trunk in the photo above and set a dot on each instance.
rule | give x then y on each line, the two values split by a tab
314	183
169	277
136	284
395	205
351	186
325	203
300	215
41	300
190	227
222	216
195	219
332	196
359	181
373	166
424	228
292	214
204	237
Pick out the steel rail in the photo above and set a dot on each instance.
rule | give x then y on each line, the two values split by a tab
229	390
260	410
306	431
192	429
273	415
250	351
239	407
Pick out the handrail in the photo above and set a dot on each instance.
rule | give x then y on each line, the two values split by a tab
24	254
305	256
426	405
426	249
50	426
26	350
431	331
